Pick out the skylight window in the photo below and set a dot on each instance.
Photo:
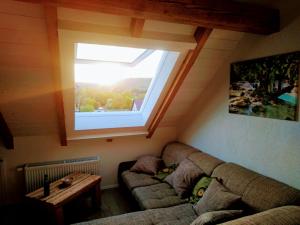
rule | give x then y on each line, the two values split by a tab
106	85
108	53
117	87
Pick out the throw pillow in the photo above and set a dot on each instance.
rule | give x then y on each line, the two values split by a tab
147	164
216	217
216	197
163	173
184	177
199	189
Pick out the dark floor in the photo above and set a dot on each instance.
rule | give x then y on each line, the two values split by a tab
113	202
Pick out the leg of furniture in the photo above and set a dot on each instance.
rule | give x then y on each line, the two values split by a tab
96	196
59	215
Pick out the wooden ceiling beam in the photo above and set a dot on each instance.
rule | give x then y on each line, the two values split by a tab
201	35
136	27
5	133
222	14
52	30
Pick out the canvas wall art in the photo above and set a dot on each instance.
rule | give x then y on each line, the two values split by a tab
266	87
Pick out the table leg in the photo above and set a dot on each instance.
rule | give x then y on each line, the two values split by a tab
59	215
96	196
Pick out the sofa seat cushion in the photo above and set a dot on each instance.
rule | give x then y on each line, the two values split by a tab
133	179
157	196
176	215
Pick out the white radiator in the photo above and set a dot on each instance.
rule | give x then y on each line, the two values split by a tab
34	172
3	190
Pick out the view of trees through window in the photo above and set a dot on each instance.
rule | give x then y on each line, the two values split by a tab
125	95
109	78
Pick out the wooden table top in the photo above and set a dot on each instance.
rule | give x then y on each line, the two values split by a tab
58	194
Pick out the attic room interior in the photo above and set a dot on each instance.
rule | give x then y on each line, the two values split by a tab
149	112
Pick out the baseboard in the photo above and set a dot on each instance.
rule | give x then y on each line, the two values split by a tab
110	186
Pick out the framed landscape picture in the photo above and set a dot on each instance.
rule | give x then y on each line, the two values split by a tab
266	87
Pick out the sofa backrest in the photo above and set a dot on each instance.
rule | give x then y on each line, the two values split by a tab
286	215
260	193
205	162
175	152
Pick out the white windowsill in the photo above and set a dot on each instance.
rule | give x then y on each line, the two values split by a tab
107	135
98	120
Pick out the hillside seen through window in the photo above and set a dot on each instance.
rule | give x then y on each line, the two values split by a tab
112	78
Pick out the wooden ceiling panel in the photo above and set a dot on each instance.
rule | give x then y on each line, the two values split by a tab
172	28
25	37
19	8
226	35
104	19
19	22
31	116
173	113
187	92
213	54
225	14
221	44
30	83
33	128
22	55
197	81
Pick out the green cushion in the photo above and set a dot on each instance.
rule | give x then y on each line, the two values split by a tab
163	173
199	189
201	184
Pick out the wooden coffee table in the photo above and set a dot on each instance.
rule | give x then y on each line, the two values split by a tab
59	195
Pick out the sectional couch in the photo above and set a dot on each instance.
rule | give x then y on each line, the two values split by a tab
268	201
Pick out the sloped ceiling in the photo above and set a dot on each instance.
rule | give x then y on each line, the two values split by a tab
26	85
218	47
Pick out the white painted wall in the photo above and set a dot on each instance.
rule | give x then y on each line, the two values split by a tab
268	146
46	148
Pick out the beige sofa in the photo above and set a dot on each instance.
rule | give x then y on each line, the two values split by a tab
270	202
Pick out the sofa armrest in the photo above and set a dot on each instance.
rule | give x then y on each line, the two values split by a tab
285	215
123	166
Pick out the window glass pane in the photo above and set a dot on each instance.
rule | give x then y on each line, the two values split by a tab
108	53
111	86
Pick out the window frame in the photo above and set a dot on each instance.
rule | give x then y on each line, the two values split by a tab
67	40
123	119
